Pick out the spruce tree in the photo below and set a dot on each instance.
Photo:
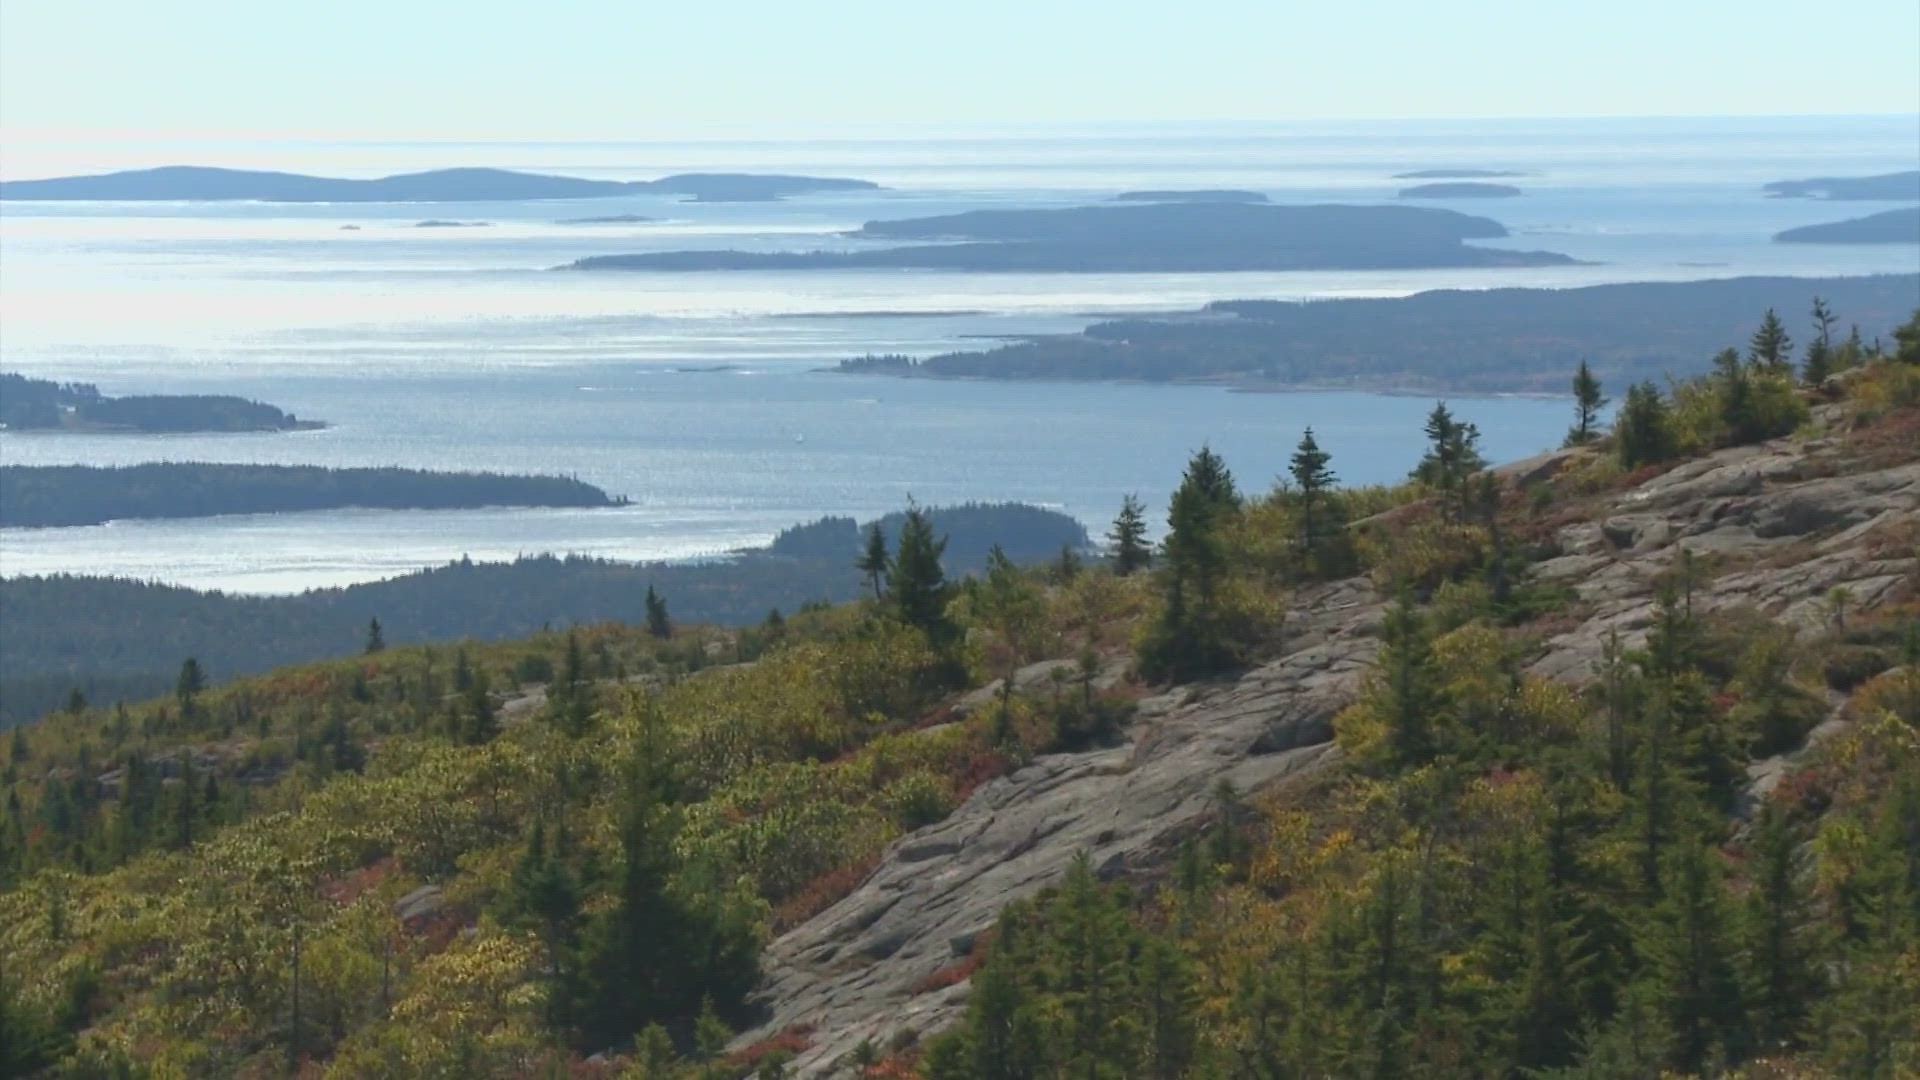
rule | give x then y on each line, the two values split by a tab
1689	948
1453	455
1819	356
874	561
917	584
1770	346
1587	403
1128	538
191	681
1776	924
1312	480
658	624
1643	431
1207	474
376	638
1188	640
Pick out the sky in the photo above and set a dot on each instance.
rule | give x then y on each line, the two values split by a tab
620	69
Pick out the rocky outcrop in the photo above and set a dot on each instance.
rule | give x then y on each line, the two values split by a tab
869	965
1777	527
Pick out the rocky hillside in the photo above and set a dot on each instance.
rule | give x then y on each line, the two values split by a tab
1802	530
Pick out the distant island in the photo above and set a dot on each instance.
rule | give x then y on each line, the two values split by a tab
200	184
1887	227
42	496
441	223
751	187
1891	187
99	633
1150	237
1471	341
610	219
1456	174
1460	191
43	405
1202	195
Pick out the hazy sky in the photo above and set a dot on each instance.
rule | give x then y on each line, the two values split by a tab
627	69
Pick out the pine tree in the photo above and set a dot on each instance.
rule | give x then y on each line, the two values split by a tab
1906	338
658	624
874	561
76	702
545	895
1643	432
376	638
1207	474
917	584
1128	538
1770	346
1587	403
475	721
1408	686
1312	480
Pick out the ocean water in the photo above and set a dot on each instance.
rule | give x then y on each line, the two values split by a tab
699	395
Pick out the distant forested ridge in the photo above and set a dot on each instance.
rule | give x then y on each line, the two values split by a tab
108	635
1889	186
1460	191
195	183
1886	227
42	405
1148	237
52	495
1486	341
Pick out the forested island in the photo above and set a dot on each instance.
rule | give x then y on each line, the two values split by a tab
1895	186
117	635
1886	227
39	496
44	405
1461	190
201	184
609	219
1198	195
1485	341
1150	237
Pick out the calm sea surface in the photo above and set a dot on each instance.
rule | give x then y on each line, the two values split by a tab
698	395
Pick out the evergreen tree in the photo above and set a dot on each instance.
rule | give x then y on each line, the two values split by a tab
191	681
1643	432
1819	356
545	895
376	638
1312	480
1453	455
917	584
475	721
1770	346
1691	959
1906	339
1776	924
76	702
1587	403
1189	640
658	624
1407	691
874	561
570	696
1128	538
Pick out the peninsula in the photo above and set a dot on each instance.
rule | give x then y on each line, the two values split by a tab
1890	187
1151	237
1461	341
1886	227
